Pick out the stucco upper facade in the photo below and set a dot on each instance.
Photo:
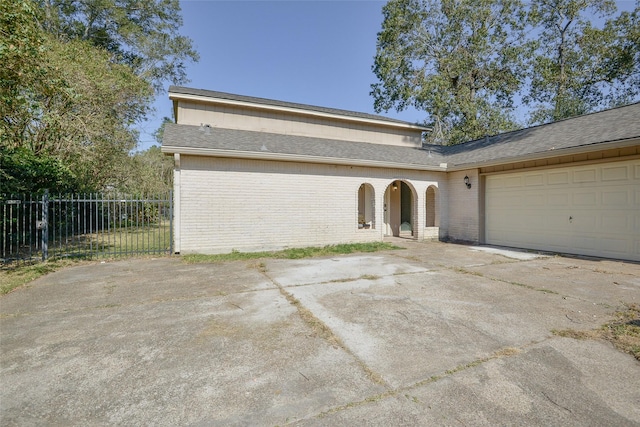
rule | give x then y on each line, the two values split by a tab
257	174
217	109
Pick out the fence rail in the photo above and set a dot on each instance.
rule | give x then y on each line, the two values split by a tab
39	227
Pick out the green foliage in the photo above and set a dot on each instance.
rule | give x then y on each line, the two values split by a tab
159	133
23	75
21	171
461	62
83	121
140	34
15	275
75	109
578	68
148	172
464	62
75	77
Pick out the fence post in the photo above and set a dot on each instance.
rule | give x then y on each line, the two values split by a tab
45	225
170	222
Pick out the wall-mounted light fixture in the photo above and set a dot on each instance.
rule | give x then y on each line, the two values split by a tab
466	181
394	187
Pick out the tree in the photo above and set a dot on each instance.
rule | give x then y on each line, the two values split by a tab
141	34
461	62
625	56
76	77
149	172
21	171
21	52
75	106
89	125
577	67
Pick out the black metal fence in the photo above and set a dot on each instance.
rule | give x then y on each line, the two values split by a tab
39	227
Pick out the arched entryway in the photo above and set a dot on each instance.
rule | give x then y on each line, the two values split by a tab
400	209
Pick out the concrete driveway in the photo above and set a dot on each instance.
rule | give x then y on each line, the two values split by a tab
435	334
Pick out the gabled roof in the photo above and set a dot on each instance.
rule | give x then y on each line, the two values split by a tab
179	92
614	128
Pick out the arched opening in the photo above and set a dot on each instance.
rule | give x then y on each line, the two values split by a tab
366	207
432	210
399	209
432	207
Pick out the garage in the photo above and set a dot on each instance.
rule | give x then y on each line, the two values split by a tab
591	209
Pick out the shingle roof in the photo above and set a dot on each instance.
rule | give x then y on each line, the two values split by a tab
615	126
284	104
193	137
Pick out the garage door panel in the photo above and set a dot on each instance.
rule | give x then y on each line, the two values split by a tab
616	222
511	182
558	178
584	175
533	221
556	221
590	210
558	199
534	180
615	173
613	247
585	199
584	243
583	222
537	200
616	198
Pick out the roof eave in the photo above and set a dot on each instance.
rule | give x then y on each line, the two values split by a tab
254	155
582	149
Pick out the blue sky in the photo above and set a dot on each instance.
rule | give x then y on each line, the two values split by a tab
311	52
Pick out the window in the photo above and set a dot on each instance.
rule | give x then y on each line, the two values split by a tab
366	207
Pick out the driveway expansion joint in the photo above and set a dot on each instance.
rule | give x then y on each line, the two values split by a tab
392	392
324	331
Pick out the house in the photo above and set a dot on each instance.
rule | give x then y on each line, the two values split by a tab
257	174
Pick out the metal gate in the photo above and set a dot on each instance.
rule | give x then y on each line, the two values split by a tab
39	227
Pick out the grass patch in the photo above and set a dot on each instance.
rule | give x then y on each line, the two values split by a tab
13	276
506	352
623	331
293	253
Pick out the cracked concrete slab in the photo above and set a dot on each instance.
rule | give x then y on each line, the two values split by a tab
434	334
558	382
609	284
391	322
338	269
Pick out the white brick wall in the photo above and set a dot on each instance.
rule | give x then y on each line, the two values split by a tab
251	205
462	220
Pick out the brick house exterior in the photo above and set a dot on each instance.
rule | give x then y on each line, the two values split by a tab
255	174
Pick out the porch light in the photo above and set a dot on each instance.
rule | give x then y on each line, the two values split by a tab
466	181
395	186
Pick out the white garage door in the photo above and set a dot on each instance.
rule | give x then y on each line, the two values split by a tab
587	210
